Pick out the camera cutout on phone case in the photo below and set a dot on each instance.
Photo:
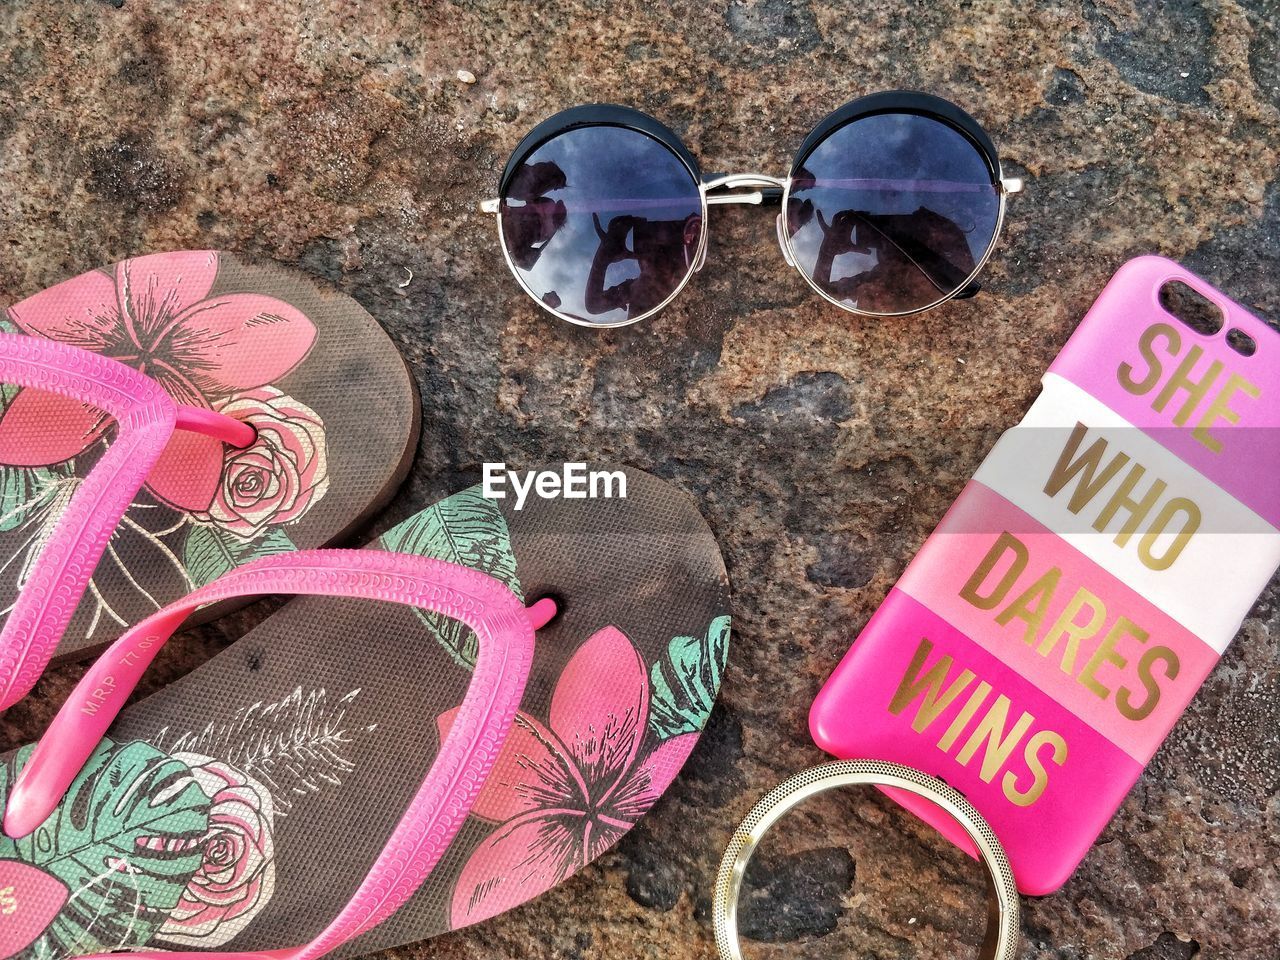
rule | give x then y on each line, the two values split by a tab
1203	316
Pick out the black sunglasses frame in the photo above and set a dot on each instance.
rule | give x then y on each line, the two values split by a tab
765	189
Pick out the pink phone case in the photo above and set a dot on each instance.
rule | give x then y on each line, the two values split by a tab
1057	623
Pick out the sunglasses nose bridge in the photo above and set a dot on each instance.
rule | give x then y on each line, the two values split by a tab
756	188
760	188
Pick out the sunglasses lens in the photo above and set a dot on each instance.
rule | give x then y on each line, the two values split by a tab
602	223
892	212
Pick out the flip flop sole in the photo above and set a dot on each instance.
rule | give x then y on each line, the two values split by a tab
335	407
309	735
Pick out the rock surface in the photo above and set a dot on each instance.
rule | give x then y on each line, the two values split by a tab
339	137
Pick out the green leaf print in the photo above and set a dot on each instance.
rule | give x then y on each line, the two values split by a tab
125	841
466	529
26	491
686	680
210	552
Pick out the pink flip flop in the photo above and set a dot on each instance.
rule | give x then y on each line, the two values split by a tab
169	419
273	803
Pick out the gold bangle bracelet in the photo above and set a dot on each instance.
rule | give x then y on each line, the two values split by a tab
1001	940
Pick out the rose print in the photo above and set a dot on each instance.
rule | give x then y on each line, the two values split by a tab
563	792
237	875
154	313
157	845
276	478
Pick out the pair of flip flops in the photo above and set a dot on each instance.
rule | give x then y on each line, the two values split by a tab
392	754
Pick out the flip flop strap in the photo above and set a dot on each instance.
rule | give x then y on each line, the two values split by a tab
60	574
503	627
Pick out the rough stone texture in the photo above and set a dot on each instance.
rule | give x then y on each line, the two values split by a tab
338	137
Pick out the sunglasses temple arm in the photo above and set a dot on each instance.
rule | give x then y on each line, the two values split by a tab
717	193
767	196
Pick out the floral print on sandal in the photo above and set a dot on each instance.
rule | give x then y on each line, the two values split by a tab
568	788
215	827
332	406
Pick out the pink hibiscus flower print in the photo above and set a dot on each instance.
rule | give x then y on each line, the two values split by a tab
154	313
563	793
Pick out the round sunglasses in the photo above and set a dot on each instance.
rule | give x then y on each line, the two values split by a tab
892	206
